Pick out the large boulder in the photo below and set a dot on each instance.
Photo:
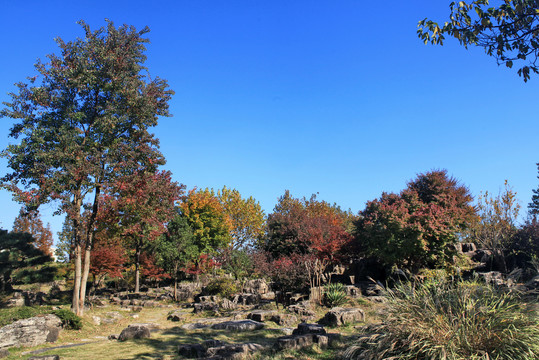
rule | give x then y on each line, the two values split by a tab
238	325
261	315
233	351
256	286
134	331
31	332
341	316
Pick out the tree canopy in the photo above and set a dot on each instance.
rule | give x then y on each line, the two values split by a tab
414	228
83	122
509	32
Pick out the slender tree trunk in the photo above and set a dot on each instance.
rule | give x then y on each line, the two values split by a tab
84	281
137	267
77	201
76	284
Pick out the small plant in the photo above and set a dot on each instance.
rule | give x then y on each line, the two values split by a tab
334	294
222	286
69	319
451	320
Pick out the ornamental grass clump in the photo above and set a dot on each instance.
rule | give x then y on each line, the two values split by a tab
451	320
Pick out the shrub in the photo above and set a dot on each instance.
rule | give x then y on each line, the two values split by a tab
69	319
452	320
334	294
222	286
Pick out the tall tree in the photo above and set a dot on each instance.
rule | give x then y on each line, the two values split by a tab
84	121
30	222
415	228
211	226
137	208
246	216
508	32
307	226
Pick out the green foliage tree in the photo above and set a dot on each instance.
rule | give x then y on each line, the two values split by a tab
176	248
415	228
84	121
66	242
206	216
508	32
17	251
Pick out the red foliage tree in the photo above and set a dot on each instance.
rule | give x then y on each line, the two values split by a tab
108	260
137	208
415	228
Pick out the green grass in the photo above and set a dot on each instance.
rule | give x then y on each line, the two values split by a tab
7	316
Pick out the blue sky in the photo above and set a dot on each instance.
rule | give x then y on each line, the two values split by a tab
335	97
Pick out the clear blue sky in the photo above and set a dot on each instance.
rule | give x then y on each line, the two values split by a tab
335	97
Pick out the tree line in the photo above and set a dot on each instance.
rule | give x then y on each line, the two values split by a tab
84	145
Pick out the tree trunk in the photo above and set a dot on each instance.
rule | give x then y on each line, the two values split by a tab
137	268
84	281
76	284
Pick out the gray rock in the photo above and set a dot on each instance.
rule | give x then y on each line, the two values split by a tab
233	351
31	332
205	306
228	305
284	319
45	357
176	315
194	326
238	325
304	311
191	351
134	332
15	302
341	316
305	328
301	341
256	286
261	315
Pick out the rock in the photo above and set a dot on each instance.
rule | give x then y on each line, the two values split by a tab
228	305
176	315
261	315
305	328
205	306
492	277
150	326
238	325
233	351
191	351
209	298
31	332
134	332
256	286
45	357
341	316
194	326
15	302
269	296
284	319
96	320
4	353
247	299
303	310
353	291
212	343
301	341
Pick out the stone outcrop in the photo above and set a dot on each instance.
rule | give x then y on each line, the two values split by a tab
176	315
256	286
135	331
215	349
303	336
238	325
31	332
341	316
